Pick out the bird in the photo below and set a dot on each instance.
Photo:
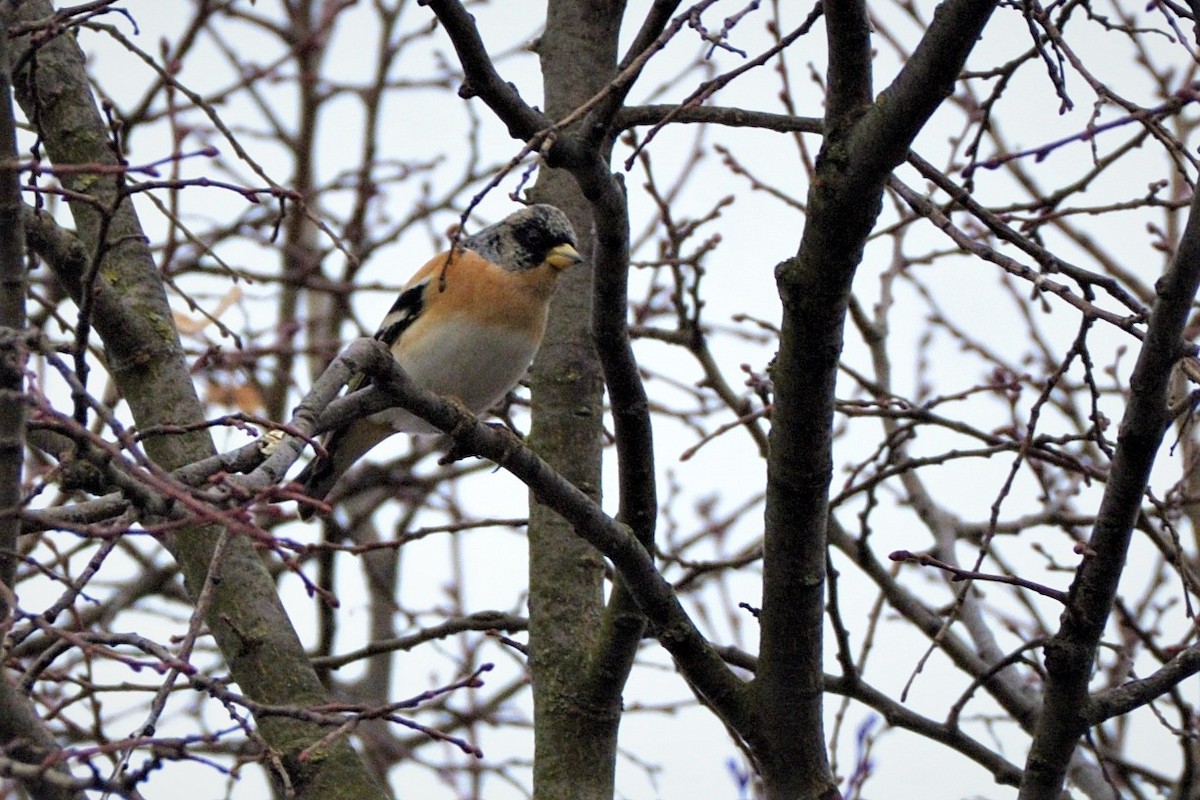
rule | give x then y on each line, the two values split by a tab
466	326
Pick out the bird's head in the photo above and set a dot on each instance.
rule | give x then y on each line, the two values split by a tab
527	239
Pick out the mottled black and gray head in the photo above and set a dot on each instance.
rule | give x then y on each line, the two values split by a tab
526	239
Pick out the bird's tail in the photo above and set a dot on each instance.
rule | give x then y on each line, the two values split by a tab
317	478
343	447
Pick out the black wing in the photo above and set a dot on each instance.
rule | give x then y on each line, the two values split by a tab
403	313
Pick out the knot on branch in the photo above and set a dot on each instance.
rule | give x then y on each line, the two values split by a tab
14	353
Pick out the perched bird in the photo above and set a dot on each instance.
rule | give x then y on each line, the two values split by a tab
466	325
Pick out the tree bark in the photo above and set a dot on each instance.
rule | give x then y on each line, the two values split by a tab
575	728
863	143
1071	654
123	298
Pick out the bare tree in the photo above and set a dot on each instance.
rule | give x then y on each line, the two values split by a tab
878	344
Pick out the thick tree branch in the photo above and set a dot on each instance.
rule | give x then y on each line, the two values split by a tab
24	736
653	25
849	72
482	79
899	716
26	740
633	116
651	38
654	596
145	358
882	138
13	348
1136	694
638	497
1071	653
858	154
579	669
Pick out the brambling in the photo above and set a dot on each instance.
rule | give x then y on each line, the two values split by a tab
466	325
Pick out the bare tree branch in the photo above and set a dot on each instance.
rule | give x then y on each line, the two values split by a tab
1070	655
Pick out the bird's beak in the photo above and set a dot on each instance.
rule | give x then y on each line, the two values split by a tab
563	256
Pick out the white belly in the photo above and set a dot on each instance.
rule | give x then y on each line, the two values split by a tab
474	364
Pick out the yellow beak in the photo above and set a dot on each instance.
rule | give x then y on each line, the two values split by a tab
563	256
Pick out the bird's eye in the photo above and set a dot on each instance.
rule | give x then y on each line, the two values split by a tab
536	240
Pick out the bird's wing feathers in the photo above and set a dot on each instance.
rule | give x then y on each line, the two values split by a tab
346	444
399	318
403	312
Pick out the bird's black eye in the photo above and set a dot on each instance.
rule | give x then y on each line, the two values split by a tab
533	238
